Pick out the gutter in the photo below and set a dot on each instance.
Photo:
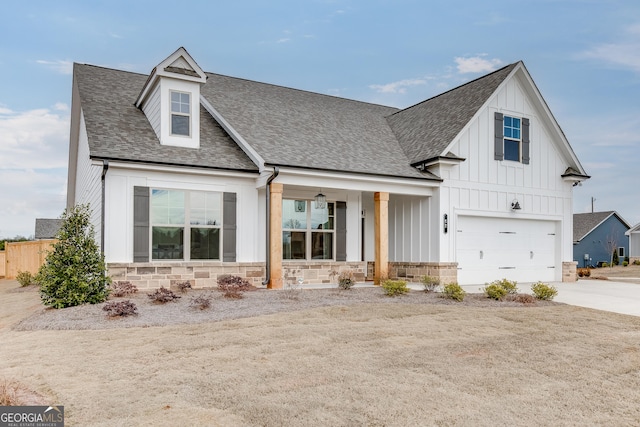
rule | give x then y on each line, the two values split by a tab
105	167
267	273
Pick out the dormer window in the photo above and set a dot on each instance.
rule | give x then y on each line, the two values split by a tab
180	113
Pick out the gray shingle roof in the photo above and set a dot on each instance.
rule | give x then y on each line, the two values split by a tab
47	228
426	129
584	223
286	127
117	130
291	127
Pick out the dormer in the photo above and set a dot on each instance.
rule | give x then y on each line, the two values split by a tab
170	99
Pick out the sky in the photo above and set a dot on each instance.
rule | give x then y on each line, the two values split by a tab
583	55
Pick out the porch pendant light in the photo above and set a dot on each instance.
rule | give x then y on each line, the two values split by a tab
321	201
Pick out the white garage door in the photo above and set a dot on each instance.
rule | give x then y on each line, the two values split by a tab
488	249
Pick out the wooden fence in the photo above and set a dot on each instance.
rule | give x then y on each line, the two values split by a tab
3	263
25	256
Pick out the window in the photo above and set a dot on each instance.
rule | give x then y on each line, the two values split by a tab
621	251
180	113
307	232
512	138
185	224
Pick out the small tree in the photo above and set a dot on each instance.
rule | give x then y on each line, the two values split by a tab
74	271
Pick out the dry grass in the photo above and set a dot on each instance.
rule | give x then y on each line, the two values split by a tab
392	364
630	273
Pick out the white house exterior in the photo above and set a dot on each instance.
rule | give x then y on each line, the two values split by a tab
634	243
191	175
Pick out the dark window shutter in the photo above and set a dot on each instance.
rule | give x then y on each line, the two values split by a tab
498	139
140	224
525	141
229	227
341	231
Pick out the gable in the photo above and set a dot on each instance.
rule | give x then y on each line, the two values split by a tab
586	223
117	130
426	129
547	157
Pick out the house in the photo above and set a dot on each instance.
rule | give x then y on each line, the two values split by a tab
192	174
47	228
596	235
634	243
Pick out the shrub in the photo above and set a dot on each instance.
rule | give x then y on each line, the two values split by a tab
625	263
9	394
542	291
430	284
395	287
183	286
163	295
201	302
605	264
636	262
120	308
453	291
495	291
120	289
234	286
346	280
25	278
74	271
522	298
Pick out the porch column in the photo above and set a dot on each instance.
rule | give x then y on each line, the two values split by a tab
381	232
275	230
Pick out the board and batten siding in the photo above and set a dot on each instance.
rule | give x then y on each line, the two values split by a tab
151	109
408	228
484	186
88	181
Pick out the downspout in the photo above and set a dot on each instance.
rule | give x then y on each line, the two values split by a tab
267	274
105	167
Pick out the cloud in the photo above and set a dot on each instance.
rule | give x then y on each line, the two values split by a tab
624	53
399	86
62	67
476	64
34	153
32	194
283	40
35	139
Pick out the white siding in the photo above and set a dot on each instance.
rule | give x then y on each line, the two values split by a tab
88	181
634	244
408	228
119	208
482	186
152	110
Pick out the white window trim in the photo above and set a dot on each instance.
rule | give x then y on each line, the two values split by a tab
189	115
186	226
518	140
309	231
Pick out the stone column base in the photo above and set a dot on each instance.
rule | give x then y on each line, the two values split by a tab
569	271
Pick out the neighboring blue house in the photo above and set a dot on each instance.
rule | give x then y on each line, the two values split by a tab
596	234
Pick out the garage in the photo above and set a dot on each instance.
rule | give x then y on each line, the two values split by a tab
488	249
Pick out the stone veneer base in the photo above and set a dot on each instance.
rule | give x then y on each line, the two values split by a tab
445	272
570	271
153	275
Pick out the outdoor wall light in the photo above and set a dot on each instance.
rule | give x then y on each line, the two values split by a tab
321	201
515	205
446	223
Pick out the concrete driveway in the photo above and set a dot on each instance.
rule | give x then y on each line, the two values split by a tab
608	295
